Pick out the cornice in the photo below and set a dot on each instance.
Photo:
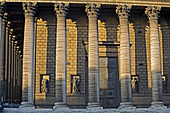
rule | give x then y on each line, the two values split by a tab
162	3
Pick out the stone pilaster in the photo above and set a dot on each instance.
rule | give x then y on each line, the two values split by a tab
125	77
28	56
61	56
152	12
93	56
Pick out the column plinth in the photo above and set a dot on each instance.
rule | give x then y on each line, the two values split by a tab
61	10
93	56
28	56
125	77
152	13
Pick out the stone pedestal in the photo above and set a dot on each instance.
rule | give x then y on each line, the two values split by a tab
125	70
152	13
93	56
61	56
28	56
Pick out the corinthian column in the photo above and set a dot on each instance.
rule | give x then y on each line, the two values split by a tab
152	13
61	56
93	55
125	77
1	21
28	56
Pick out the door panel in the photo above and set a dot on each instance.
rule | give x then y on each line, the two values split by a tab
109	81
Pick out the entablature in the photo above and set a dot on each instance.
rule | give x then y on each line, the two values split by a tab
162	3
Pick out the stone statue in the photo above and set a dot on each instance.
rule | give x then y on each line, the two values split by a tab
134	85
75	85
44	85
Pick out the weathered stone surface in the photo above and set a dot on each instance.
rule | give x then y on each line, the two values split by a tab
142	110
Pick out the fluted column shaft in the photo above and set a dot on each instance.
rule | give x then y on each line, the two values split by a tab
12	68
152	13
93	55
3	53
125	69
14	73
6	61
28	55
9	66
61	55
1	30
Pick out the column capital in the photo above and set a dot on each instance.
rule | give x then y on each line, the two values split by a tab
5	17
11	31
8	24
29	8
123	10
61	9
14	38
15	43
93	9
153	12
2	6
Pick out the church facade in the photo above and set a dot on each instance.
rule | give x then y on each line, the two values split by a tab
85	54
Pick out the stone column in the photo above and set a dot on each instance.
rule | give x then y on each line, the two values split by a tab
15	74
3	53
152	12
10	65
61	56
93	55
1	21
20	77
6	62
12	68
125	77
28	56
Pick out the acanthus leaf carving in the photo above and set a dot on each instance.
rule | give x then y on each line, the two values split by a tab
61	9
29	8
153	11
93	9
123	10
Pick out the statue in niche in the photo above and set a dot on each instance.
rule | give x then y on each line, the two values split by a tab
44	85
134	83
75	84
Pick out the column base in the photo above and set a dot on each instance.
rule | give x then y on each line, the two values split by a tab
60	105
1	106
157	105
27	105
126	105
94	105
5	104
